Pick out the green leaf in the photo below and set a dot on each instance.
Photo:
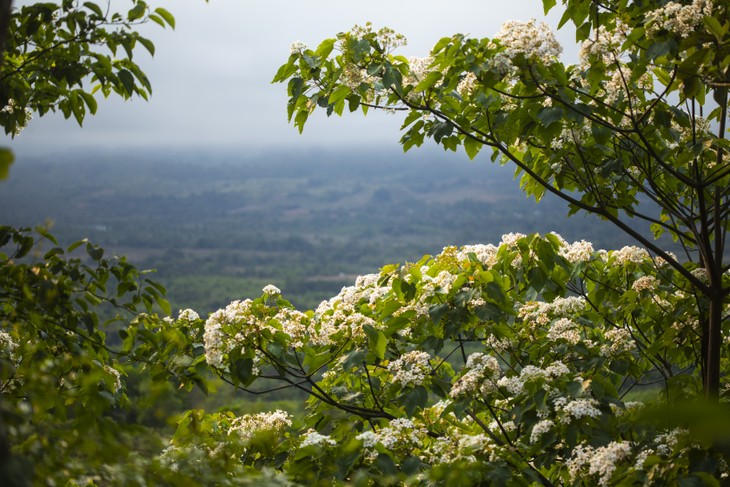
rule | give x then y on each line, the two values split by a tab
376	340
472	147
137	12
94	8
338	94
427	82
6	160
127	81
147	45
169	18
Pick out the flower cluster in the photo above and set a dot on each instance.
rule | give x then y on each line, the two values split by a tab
312	437
617	341
247	426
679	19
297	47
540	313
577	408
481	376
7	345
219	338
11	108
577	252
411	369
629	253
540	429
187	315
599	461
387	38
605	45
530	39
515	384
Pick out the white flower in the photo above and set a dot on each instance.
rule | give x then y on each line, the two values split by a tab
577	408
644	282
530	39
577	252
271	290
187	315
564	329
411	369
483	372
312	437
618	341
630	253
297	47
369	439
540	429
247	426
678	19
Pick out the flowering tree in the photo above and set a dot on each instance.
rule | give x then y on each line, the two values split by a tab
536	361
533	361
634	133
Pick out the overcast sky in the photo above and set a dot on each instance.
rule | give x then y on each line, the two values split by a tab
211	75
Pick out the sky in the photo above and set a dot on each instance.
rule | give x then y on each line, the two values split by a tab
211	76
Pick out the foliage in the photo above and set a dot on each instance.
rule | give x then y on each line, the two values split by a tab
635	131
58	55
531	361
63	379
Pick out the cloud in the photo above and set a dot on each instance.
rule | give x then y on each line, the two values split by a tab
211	76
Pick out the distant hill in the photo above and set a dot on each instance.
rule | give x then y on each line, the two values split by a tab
220	226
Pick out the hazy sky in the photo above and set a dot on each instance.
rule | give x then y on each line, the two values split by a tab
211	76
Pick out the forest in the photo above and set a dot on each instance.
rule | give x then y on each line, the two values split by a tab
218	227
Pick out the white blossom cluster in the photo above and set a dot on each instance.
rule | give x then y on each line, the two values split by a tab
297	47
439	284
271	290
577	252
540	313
530	39
337	321
515	384
540	429
644	283
667	441
571	136
218	341
576	409
600	461
617	341
467	84
312	437
481	378
353	77
387	38
187	315
295	324
486	254
678	19
401	433
11	108
604	46
565	329
617	86
419	67
247	426
7	345
411	369
629	253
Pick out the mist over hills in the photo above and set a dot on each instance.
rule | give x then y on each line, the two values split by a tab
219	226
